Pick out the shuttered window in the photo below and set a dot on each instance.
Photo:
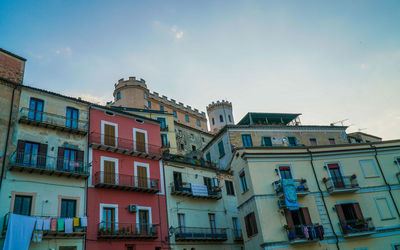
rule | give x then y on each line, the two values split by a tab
266	141
109	172
22	205
68	208
72	118
251	225
109	135
229	188
247	142
140	141
221	149
243	181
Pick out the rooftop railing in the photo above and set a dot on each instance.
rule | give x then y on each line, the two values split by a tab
341	184
185	189
54	121
48	164
301	187
127	230
200	234
125	182
357	227
127	146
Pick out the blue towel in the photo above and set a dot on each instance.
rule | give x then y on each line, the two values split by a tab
289	191
19	232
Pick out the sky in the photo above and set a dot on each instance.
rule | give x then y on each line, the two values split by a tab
329	60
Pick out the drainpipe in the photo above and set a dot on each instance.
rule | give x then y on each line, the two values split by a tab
323	199
384	178
87	180
8	136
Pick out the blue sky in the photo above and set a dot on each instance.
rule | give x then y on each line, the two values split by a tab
329	60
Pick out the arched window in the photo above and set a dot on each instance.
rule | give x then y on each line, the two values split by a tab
213	121
221	119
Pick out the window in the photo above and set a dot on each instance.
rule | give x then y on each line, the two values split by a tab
161	108
180	132
221	149
149	104
118	95
213	121
221	119
208	157
187	118
164	140
181	223
177	181
22	205
193	148
332	141
292	141
313	142
140	140
384	209
145	95
266	141
144	226
251	225
35	109
182	146
202	139
247	142
31	152
108	221
213	225
297	218
285	172
336	175
229	188
229	118
109	135
163	122
68	208
175	114
243	181
69	159
198	123
235	224
72	118
368	168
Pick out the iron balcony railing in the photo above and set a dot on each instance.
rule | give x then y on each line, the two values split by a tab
48	163
127	230
358	226
342	184
48	119
296	233
186	189
123	180
188	160
123	143
198	233
237	234
301	186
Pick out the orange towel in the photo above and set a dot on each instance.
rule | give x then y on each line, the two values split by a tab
53	225
76	222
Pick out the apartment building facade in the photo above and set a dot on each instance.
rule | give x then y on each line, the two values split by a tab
201	205
319	197
46	175
126	196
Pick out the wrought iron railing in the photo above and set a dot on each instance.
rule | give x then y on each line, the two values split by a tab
200	233
125	180
185	187
52	119
301	186
341	183
362	225
123	229
188	160
298	232
45	162
123	143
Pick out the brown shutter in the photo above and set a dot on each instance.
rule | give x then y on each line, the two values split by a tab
289	218
42	154
340	213
109	135
20	151
79	159
306	216
60	157
254	224
142	176
358	211
247	222
140	142
109	172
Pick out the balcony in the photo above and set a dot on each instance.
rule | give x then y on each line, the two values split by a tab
186	190
124	146
43	164
52	121
125	182
344	184
189	160
165	146
237	235
78	231
164	128
296	234
120	230
200	234
358	227
301	187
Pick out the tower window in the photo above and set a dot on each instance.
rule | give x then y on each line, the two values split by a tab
221	119
198	122
149	104
187	118
174	112
213	121
229	117
118	95
161	108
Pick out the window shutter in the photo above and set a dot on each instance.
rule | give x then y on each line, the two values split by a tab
306	215
42	154
289	218
358	211
20	151
340	213
60	157
79	156
247	222
254	224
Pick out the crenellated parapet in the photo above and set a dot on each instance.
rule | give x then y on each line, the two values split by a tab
219	104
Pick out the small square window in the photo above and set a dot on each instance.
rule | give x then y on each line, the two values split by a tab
313	142
187	118
175	114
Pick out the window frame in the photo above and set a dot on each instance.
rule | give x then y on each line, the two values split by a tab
187	118
15	193
242	176
231	190
263	141
250	141
118	95
221	149
35	111
61	198
313	139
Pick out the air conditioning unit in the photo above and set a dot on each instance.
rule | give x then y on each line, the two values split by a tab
132	208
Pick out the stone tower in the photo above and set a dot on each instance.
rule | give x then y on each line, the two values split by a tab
219	115
131	93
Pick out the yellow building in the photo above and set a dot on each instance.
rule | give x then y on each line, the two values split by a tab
319	197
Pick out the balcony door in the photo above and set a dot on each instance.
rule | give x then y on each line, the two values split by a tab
144	221
213	225
285	172
336	174
142	176
178	181
109	135
181	223
140	141
296	219
109	218
109	172
35	109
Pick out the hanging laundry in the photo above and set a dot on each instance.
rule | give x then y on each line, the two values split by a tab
39	224
19	232
46	224
84	221
76	222
53	225
60	224
68	225
305	231
289	191
37	236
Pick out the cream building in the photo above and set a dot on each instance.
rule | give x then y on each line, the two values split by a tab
347	196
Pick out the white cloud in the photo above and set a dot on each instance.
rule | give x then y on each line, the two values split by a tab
178	34
101	100
64	51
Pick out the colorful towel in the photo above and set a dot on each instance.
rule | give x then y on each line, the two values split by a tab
84	221
46	224
68	225
39	224
53	225
76	222
60	225
289	191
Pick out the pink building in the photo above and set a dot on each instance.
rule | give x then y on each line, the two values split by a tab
126	204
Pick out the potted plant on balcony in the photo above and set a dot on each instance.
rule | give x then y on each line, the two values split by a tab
324	179
353	176
101	231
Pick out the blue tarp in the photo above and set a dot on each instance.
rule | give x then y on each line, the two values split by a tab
289	191
19	232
